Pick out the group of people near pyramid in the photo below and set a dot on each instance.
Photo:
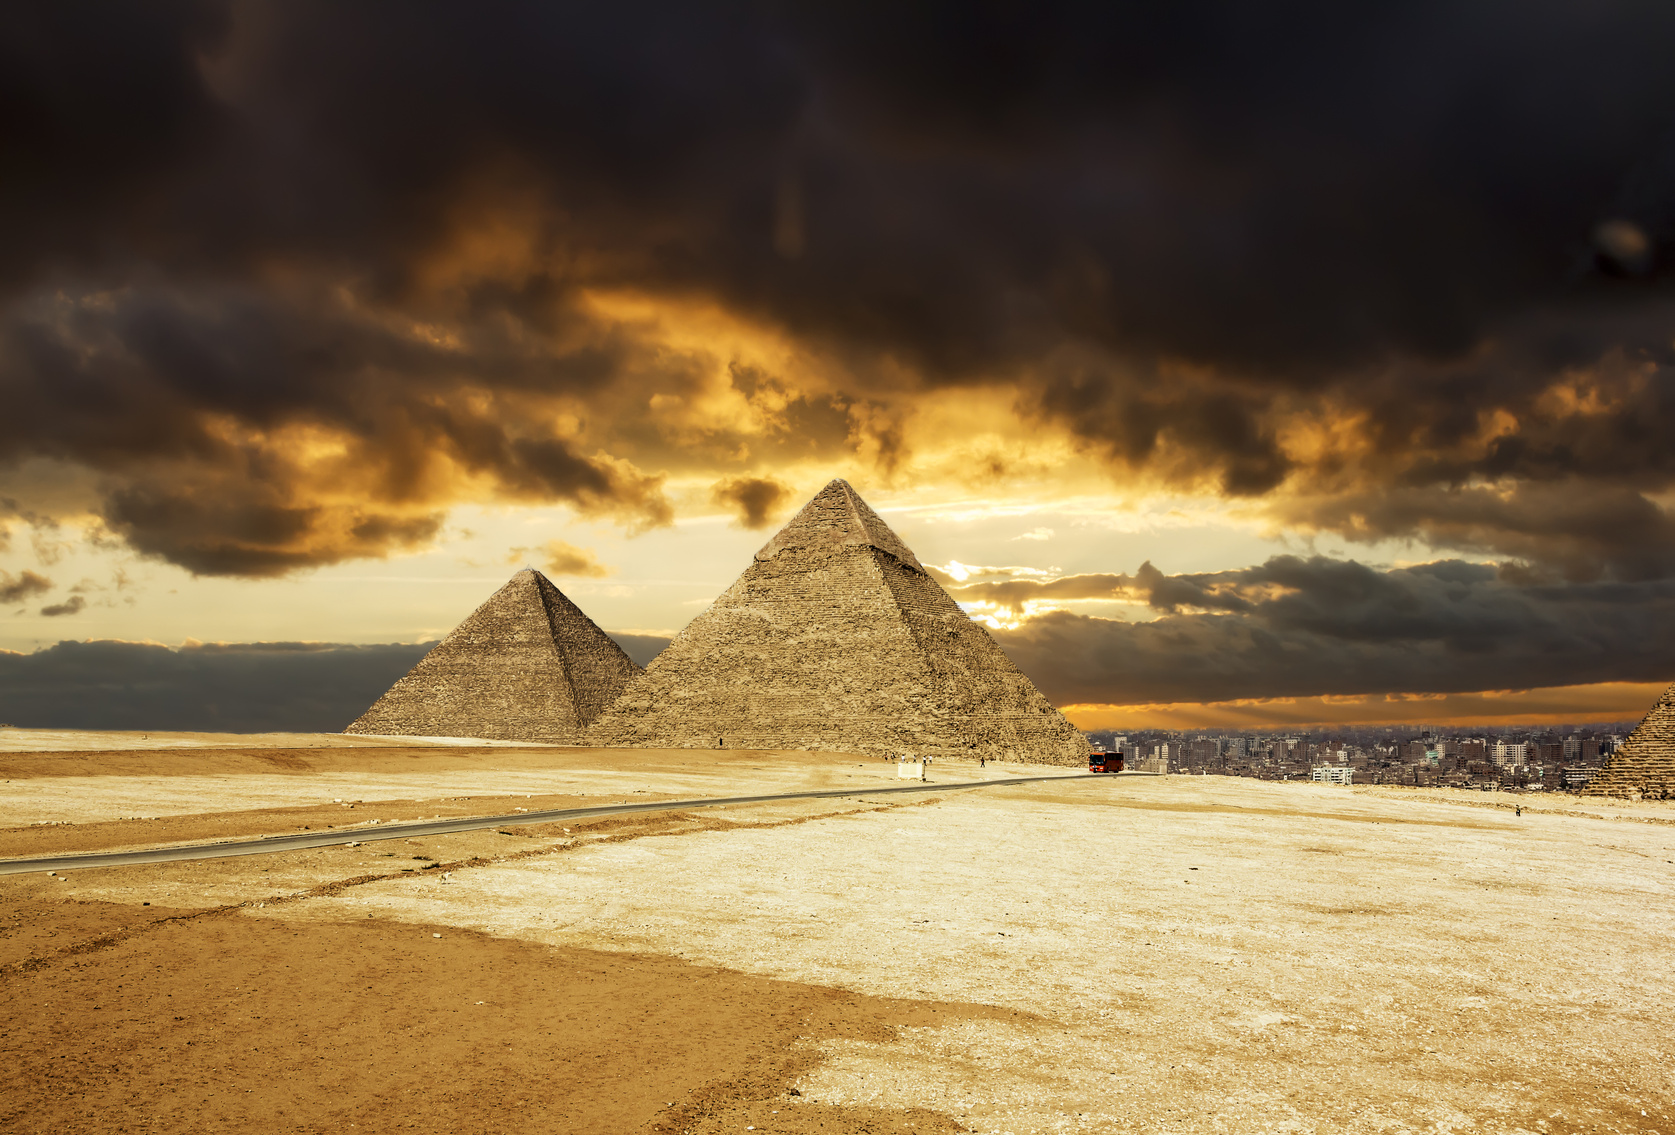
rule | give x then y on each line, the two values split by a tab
834	638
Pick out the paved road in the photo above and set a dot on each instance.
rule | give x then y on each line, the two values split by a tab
335	836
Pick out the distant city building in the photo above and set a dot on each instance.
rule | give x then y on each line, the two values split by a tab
1510	752
1333	774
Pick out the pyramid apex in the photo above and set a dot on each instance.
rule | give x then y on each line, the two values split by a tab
838	516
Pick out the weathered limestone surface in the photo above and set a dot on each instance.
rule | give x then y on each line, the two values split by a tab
525	666
1645	765
836	638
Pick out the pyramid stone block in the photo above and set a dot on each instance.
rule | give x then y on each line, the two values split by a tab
1645	766
525	666
836	638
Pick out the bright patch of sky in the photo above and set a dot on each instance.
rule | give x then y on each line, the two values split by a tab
657	581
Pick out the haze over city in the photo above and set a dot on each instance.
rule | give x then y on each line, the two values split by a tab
1238	374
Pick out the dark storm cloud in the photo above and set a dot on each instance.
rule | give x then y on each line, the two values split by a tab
233	235
192	402
23	585
303	687
1301	627
758	501
238	687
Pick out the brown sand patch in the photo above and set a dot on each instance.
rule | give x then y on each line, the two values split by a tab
221	1021
408	759
34	929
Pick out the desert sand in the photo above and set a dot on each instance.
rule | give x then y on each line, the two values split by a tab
1094	954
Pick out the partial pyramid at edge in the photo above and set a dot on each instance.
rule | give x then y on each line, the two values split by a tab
1645	765
835	638
525	666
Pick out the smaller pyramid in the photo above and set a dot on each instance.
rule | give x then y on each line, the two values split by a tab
1645	766
525	666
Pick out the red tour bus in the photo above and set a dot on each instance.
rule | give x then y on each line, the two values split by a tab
1104	762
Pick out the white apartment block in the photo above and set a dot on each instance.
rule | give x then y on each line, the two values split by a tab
1510	752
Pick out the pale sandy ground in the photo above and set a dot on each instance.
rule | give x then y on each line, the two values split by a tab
166	785
1551	803
1203	954
1334	963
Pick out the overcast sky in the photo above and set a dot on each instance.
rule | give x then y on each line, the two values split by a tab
1263	361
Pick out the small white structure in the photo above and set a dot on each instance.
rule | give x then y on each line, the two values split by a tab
1333	774
909	769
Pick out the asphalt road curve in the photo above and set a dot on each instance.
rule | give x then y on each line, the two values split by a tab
336	836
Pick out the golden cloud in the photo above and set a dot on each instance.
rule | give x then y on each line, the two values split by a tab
559	558
1554	705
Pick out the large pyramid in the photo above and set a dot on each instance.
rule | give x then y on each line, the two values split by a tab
1645	765
835	638
526	666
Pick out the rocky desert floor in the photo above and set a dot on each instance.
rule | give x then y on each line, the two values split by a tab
1184	954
